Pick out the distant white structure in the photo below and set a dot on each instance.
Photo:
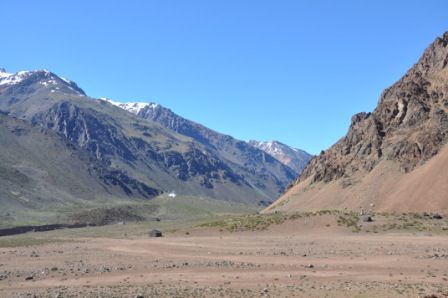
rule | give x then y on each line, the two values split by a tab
172	194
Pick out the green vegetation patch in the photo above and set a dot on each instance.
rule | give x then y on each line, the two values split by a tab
350	220
259	222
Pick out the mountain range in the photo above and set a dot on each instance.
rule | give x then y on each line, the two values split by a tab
62	148
393	159
293	158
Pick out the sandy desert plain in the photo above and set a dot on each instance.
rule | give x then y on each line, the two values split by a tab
314	254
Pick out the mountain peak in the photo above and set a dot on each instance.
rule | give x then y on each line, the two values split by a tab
133	107
292	157
444	37
434	58
42	77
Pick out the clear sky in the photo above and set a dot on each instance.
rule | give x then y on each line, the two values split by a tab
295	71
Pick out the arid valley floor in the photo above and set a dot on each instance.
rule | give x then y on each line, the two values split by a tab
325	254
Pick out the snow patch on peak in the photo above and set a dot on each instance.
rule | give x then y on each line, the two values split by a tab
15	78
109	101
44	71
49	82
66	80
295	158
4	74
12	79
273	146
42	77
133	107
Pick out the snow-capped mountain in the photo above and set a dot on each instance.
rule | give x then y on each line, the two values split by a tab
73	148
43	77
125	153
133	107
292	157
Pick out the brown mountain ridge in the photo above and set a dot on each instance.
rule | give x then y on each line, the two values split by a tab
393	159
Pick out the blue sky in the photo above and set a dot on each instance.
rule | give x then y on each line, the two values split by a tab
295	71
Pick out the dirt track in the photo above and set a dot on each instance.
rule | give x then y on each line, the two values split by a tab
209	263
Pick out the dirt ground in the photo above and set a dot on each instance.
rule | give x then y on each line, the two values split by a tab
293	259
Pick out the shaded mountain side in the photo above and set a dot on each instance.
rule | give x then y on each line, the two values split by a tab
294	158
133	149
261	170
41	171
408	127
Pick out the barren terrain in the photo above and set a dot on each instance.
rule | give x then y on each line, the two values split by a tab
385	188
312	255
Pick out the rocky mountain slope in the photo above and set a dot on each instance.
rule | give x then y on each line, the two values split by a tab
124	156
376	164
253	163
294	158
41	171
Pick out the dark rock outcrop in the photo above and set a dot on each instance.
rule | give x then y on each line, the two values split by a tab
409	125
155	233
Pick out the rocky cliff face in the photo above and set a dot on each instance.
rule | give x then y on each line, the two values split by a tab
391	160
409	125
